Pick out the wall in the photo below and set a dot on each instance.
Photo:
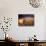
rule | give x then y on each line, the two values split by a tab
11	8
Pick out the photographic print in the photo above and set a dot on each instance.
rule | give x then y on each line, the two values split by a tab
26	19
